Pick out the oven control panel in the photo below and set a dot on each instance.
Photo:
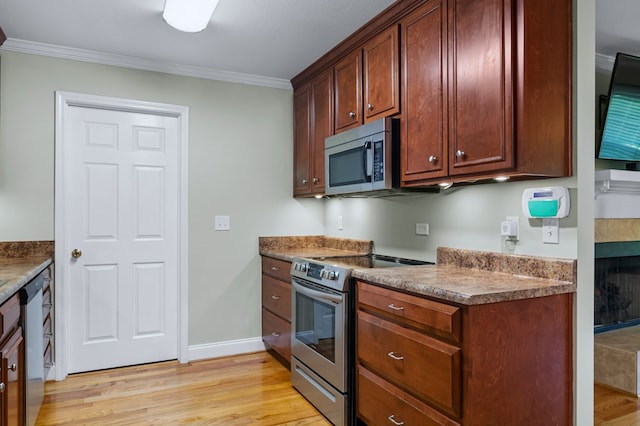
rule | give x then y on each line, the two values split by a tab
332	276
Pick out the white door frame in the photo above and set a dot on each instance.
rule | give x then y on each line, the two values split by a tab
65	100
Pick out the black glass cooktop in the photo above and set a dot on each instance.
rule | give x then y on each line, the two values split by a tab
371	261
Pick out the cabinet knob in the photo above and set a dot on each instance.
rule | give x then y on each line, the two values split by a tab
316	180
460	154
370	107
394	421
352	114
304	181
13	367
76	253
433	159
2	386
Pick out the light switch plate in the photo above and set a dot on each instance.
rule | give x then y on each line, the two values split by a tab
222	223
550	231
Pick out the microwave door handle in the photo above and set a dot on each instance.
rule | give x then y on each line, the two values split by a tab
367	154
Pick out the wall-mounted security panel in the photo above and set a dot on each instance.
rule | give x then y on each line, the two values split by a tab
547	202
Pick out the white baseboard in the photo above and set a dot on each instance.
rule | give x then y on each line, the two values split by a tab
231	347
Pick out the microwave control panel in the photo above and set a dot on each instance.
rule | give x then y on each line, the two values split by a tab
378	161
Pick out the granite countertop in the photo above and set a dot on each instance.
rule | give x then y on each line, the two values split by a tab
15	272
466	277
288	248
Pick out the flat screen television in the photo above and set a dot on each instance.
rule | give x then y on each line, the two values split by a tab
620	138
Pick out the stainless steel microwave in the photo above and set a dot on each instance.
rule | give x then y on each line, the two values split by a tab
363	160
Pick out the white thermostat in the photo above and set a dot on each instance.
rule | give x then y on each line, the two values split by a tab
549	202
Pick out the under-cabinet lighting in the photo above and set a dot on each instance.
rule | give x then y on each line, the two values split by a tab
501	178
445	185
318	196
190	16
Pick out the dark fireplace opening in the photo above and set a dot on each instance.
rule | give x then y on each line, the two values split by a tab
616	292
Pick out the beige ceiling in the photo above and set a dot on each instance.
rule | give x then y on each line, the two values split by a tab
271	40
267	38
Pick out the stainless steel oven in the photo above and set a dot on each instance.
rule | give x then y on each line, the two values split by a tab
322	331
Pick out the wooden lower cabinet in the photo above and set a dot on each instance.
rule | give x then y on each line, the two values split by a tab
276	308
12	364
502	363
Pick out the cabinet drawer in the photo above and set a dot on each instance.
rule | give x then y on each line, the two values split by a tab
421	365
380	402
9	315
438	318
276	333
276	268
276	296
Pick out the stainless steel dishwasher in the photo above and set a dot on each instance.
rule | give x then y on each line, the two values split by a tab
31	306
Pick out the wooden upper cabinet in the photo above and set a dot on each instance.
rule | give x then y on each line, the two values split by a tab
348	92
322	119
380	74
313	109
424	146
481	83
302	140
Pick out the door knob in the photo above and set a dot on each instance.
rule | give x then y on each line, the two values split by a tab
76	253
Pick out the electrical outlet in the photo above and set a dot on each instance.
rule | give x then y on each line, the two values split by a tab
422	229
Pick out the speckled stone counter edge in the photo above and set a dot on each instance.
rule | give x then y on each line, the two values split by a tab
287	243
530	266
21	261
26	248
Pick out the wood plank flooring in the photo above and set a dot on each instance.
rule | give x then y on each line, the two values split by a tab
252	389
614	408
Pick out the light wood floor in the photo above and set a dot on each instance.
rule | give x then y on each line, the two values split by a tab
613	408
251	389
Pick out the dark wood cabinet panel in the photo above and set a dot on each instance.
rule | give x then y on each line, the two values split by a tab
424	128
302	140
322	125
425	367
348	92
507	369
276	333
313	109
381	75
276	308
380	402
276	297
13	379
481	83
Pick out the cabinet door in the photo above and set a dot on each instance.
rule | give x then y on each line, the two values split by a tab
322	124
348	92
424	94
481	86
13	380
380	73
302	140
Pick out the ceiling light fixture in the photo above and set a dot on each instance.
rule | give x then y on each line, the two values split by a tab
190	16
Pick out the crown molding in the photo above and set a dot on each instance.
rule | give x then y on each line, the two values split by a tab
44	49
604	63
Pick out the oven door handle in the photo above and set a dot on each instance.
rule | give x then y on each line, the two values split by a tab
315	294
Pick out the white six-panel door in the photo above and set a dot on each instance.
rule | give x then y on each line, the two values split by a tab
121	184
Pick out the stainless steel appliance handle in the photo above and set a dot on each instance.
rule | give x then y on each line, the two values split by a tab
315	294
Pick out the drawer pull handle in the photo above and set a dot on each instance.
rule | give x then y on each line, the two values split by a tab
275	268
394	421
13	367
396	308
275	334
274	297
396	357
